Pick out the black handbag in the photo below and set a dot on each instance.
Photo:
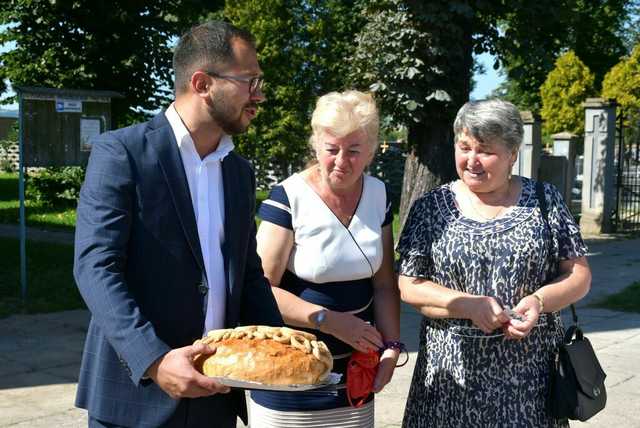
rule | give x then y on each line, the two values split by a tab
576	389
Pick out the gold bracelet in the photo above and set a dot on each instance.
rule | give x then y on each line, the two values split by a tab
540	299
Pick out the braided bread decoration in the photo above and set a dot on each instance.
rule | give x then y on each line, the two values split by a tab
270	355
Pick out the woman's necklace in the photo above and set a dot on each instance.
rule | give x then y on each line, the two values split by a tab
481	215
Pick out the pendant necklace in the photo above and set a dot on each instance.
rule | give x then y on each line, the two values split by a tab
477	211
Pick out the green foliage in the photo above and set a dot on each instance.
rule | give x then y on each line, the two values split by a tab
51	287
5	144
301	46
414	68
118	45
627	300
56	186
630	32
534	34
566	88
622	82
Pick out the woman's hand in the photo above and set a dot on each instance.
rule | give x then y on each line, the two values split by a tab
485	313
361	335
388	361
529	308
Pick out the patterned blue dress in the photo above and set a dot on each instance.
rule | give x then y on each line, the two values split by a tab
464	377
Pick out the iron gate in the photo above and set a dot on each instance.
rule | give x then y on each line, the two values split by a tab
626	215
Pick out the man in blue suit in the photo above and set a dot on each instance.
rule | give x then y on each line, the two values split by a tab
165	244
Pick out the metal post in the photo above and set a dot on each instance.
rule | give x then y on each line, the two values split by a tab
23	221
619	178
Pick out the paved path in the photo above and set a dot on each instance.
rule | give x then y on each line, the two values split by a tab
37	234
39	355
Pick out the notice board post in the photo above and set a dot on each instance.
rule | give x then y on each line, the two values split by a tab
56	126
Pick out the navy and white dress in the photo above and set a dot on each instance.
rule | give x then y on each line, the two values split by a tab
463	377
330	265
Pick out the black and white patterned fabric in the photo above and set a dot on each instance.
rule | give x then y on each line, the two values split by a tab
463	377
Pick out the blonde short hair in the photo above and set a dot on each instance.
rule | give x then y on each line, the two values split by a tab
341	113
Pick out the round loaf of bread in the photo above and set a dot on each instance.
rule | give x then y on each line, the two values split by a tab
268	355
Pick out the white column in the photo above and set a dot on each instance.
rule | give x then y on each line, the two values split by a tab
564	144
530	150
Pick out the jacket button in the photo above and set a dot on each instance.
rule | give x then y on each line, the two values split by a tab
202	287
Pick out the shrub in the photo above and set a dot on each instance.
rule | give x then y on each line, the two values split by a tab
567	86
622	82
56	185
5	145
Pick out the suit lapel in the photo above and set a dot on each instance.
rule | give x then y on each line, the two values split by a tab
162	139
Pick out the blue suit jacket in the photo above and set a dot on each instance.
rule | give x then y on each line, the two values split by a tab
139	268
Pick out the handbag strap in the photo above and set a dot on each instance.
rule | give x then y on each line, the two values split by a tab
542	202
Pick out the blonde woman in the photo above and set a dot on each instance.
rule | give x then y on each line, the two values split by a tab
327	249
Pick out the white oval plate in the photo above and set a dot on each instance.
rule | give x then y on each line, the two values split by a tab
332	379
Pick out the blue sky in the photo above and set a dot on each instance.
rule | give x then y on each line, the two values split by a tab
487	82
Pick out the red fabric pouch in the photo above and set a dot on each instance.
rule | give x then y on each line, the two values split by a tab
361	373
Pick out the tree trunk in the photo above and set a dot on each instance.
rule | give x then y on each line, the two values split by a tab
429	164
430	161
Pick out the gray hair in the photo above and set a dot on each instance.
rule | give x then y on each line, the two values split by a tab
488	121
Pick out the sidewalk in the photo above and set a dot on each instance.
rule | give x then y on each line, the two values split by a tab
37	234
40	354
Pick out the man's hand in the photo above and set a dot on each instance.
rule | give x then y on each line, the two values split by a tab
175	374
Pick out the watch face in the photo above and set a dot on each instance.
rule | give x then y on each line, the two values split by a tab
319	317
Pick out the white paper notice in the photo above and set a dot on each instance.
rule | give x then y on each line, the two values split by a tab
89	128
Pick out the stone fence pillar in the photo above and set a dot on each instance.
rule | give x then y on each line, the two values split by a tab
565	144
598	192
531	148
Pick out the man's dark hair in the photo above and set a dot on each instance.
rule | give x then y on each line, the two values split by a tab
205	47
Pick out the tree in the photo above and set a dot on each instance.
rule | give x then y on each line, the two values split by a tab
421	68
622	82
566	88
630	32
421	73
301	46
118	45
538	33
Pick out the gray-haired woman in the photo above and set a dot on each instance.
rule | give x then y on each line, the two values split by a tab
489	272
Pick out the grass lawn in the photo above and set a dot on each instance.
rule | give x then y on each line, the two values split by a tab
628	300
50	284
37	214
42	216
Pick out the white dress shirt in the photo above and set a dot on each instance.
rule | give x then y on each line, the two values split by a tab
207	196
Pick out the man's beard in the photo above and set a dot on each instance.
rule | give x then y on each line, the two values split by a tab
223	114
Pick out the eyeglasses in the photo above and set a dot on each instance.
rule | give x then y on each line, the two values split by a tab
255	83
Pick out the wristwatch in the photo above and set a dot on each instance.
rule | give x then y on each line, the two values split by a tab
319	318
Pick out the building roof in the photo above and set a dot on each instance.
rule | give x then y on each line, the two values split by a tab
31	91
13	114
